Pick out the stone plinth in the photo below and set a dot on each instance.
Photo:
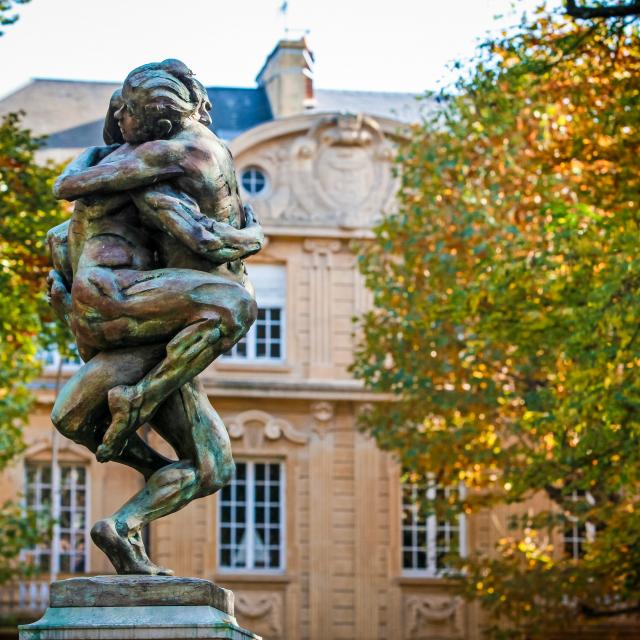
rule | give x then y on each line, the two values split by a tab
137	608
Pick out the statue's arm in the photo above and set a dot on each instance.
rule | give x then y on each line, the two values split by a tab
88	158
58	241
237	243
179	216
142	166
61	277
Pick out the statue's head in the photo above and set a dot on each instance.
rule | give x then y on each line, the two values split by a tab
158	99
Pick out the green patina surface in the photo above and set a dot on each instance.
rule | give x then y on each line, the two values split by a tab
134	623
149	274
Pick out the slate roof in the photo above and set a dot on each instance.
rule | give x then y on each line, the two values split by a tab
405	107
237	109
71	112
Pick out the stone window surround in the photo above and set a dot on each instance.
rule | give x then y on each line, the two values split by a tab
250	520
432	526
268	299
55	550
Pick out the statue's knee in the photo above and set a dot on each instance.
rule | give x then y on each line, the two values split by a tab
227	472
62	421
213	477
177	477
244	312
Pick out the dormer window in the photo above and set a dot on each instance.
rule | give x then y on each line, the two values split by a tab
253	180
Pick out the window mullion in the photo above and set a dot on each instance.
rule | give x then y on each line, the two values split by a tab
55	493
282	514
250	493
73	485
251	342
87	518
431	544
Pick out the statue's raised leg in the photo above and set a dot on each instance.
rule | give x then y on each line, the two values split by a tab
199	315
194	429
81	412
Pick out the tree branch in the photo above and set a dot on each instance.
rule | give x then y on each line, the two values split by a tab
591	612
619	11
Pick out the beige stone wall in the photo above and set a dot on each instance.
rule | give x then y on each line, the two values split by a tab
343	504
342	576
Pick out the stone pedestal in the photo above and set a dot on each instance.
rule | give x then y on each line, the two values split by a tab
137	608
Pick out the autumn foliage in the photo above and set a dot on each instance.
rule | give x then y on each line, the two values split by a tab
27	210
506	318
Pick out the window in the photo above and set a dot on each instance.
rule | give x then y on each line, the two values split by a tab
427	541
53	362
253	180
576	533
69	548
251	518
265	341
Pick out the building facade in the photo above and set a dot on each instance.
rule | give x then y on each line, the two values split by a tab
316	535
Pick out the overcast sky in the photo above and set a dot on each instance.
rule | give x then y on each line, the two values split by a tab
398	45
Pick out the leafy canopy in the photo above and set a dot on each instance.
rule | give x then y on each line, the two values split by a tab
27	211
7	15
506	318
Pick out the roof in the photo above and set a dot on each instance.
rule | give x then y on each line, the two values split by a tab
405	107
72	112
235	109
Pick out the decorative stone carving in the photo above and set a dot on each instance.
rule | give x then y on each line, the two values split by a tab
434	617
245	423
262	611
42	447
323	414
322	411
340	172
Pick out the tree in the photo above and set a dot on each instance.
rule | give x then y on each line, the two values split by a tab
6	12
602	10
27	210
506	319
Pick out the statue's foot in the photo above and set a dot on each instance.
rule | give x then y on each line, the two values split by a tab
125	413
126	556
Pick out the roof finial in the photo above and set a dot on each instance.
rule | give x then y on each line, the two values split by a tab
284	12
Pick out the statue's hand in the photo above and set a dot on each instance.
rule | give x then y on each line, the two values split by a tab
58	295
100	153
250	216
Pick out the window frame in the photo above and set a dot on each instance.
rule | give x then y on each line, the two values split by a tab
431	524
256	170
575	539
250	522
268	301
251	340
58	363
54	550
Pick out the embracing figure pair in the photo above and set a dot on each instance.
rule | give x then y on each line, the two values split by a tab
149	274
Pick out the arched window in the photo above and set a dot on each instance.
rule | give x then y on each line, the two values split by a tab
253	180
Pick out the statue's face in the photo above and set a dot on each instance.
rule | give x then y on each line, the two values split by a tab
132	123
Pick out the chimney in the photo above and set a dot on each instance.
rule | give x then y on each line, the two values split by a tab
287	77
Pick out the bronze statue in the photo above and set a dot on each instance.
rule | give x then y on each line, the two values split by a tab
149	274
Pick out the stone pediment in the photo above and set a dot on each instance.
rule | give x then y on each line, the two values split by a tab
323	170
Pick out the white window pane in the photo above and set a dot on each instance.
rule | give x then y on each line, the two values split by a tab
69	547
426	541
270	283
250	518
265	340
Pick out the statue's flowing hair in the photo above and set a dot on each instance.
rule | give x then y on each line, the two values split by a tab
171	91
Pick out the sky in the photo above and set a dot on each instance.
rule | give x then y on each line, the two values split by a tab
398	45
